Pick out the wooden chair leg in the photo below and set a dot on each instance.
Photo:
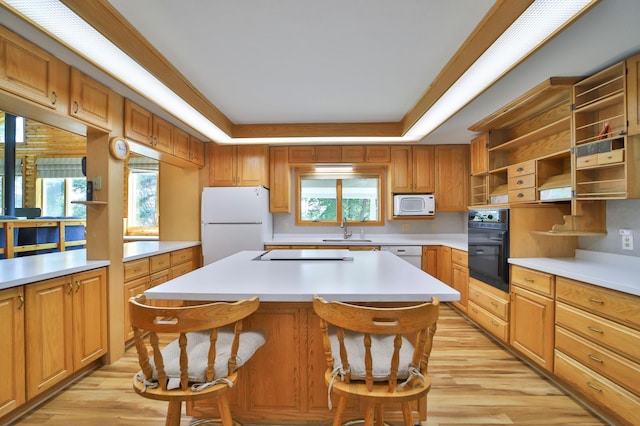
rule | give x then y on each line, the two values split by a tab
225	412
174	413
379	415
368	414
342	404
406	414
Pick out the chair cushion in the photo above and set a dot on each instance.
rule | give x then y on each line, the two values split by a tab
381	353
198	352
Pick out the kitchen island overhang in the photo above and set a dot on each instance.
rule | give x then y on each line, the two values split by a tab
283	383
366	276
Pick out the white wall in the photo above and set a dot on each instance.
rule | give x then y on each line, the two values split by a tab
620	214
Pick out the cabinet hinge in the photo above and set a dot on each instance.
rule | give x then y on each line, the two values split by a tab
573	107
573	193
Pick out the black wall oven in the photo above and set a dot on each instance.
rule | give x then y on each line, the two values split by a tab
488	236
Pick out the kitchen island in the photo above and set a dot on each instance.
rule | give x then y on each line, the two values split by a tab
283	382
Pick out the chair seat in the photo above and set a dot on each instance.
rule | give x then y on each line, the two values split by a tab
380	391
185	395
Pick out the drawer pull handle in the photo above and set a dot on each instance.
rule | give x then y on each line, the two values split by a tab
596	359
592	386
529	280
493	303
495	324
594	300
137	269
595	330
520	182
520	195
21	299
70	285
520	169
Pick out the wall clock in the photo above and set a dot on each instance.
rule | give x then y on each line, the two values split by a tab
119	148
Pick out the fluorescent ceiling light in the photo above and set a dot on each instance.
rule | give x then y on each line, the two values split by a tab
536	25
333	168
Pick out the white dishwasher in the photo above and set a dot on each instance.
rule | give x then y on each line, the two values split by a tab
412	254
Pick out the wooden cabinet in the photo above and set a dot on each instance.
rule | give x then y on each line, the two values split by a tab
606	159
489	307
633	95
460	277
412	169
138	123
28	71
315	154
436	261
479	160
142	274
532	315
238	165
162	135
12	387
167	142
534	127
451	178
279	180
597	347
480	154
89	100
65	326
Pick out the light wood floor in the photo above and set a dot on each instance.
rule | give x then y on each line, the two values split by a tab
475	382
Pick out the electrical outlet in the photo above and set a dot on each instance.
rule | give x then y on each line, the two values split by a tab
627	239
405	227
286	226
97	183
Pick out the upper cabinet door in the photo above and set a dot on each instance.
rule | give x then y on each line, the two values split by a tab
90	101
138	123
633	94
423	169
162	135
28	71
452	178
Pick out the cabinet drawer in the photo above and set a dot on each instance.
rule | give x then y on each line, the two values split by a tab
492	324
598	389
159	262
615	156
159	277
587	161
488	301
521	169
617	337
523	194
136	268
459	257
535	281
181	256
617	368
620	307
517	182
180	269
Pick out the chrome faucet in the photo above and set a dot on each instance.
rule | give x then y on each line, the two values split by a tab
345	228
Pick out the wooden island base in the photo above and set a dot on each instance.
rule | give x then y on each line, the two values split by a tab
283	382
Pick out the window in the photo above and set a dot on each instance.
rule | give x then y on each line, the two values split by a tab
325	199
142	196
58	193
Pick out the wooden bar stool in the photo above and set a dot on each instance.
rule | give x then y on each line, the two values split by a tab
378	355
202	362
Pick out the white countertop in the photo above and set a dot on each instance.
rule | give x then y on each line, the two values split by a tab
372	276
29	269
457	241
139	249
607	270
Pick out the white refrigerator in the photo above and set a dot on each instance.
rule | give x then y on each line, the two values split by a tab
234	219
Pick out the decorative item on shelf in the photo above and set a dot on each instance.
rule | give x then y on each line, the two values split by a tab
605	132
89	190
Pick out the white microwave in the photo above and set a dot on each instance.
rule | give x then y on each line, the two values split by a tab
414	205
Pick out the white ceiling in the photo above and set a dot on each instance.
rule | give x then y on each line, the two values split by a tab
331	61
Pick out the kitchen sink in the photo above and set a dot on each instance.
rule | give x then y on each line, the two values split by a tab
342	240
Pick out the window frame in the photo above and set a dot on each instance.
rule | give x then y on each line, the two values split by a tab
141	231
357	172
67	183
